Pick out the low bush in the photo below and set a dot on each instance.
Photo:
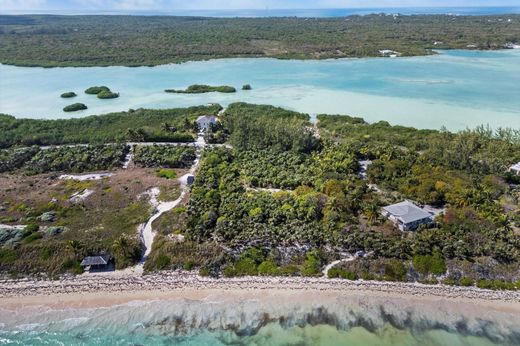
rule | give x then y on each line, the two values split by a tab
33	237
107	94
427	264
166	173
96	90
68	94
75	107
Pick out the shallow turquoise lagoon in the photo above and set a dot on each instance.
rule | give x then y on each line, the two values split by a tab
456	89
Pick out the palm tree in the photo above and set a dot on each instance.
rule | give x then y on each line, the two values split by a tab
73	246
371	211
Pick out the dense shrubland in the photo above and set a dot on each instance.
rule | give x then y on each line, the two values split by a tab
164	156
152	40
172	125
77	159
201	88
237	222
325	207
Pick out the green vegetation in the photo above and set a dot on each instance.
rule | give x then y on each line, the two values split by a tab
135	125
107	95
106	222
427	264
246	87
74	107
200	89
68	94
12	159
152	40
341	273
102	92
324	202
166	173
62	159
283	201
95	90
77	159
164	156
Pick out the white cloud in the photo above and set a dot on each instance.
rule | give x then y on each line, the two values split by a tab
138	4
22	4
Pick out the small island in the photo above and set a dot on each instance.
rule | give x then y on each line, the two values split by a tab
246	87
201	88
75	107
96	90
107	94
68	94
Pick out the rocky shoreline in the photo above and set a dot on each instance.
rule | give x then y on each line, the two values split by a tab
182	280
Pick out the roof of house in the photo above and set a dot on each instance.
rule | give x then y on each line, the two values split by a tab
95	260
205	118
515	167
407	212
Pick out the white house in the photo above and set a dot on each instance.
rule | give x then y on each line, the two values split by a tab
204	121
515	169
407	216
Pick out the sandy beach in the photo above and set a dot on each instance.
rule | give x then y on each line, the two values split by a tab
105	289
180	306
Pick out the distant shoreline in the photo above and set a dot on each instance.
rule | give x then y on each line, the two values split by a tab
295	12
282	36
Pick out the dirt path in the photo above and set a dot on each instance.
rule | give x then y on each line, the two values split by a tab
332	264
147	233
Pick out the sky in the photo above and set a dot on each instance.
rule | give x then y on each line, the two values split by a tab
154	5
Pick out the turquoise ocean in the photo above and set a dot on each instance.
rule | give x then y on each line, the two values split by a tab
328	319
456	89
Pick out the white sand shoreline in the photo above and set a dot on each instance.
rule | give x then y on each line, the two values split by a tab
23	291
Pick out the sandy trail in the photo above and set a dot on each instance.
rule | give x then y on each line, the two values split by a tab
147	232
332	264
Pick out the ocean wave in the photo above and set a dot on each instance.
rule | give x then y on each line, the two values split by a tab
246	318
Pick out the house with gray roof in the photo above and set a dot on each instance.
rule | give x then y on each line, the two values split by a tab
515	169
407	216
97	263
204	122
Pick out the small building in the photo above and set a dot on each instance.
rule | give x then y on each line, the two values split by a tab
407	216
98	263
515	169
389	53
205	121
190	179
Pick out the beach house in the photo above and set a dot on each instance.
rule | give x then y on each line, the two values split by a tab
515	169
407	216
98	263
205	121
